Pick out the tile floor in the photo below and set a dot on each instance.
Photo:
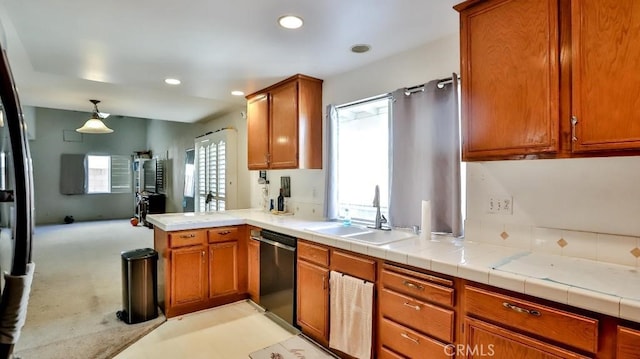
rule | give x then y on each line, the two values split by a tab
227	332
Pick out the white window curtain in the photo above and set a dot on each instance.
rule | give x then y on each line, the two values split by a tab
425	163
425	158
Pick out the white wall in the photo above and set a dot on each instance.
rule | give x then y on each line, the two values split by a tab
589	194
438	59
592	194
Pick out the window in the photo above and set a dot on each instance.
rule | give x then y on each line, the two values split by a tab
363	157
108	174
211	164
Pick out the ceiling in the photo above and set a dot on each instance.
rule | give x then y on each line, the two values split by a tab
65	52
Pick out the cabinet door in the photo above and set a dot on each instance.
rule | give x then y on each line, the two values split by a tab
253	264
484	340
628	343
258	132
223	268
605	50
313	300
188	275
510	78
284	126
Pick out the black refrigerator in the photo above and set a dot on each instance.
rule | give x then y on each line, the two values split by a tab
18	193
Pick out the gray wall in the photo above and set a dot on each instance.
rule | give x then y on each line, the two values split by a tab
130	134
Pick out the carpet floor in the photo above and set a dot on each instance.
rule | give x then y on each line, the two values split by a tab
77	290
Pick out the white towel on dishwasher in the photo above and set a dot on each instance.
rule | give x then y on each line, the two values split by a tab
351	315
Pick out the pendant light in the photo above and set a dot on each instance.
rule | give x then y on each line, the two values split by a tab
94	124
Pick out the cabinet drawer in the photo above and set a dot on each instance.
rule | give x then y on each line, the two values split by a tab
557	325
313	253
410	343
186	238
222	234
417	288
628	343
426	318
385	353
353	265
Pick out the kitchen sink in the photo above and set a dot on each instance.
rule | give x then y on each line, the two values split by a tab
380	237
363	234
340	230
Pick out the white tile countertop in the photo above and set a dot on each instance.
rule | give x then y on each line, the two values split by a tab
601	287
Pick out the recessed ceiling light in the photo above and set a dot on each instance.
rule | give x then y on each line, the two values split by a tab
290	21
237	93
172	81
360	48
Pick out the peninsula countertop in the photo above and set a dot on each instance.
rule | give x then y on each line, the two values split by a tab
597	286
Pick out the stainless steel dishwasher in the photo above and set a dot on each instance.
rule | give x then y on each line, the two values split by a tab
277	274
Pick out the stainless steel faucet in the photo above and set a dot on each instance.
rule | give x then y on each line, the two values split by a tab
380	219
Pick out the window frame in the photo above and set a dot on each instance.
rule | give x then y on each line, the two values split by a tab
119	159
370	217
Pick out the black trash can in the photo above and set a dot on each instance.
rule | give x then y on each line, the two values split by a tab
139	285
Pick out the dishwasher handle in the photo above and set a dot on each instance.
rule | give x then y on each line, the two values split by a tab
274	243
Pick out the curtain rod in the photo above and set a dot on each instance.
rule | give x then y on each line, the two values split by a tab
446	81
420	88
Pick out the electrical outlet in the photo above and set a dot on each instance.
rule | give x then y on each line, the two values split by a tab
500	205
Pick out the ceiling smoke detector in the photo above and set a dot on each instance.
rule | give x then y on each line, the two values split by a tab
360	48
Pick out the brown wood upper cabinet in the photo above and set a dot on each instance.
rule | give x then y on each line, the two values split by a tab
284	125
549	78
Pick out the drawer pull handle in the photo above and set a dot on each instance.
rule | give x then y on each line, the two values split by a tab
412	285
416	307
188	235
224	233
406	336
515	308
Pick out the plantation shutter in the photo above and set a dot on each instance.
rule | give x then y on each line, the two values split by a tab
216	171
120	174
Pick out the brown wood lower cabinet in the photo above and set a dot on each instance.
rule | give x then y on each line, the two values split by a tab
313	300
483	340
558	326
223	268
200	269
628	343
416	313
188	275
253	270
410	343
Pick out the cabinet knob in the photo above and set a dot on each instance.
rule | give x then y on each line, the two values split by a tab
187	235
224	233
574	122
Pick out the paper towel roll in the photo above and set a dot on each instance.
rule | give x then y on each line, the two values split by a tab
425	224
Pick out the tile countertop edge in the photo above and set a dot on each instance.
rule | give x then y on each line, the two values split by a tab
621	307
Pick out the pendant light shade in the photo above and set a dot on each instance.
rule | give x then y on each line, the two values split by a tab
94	124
